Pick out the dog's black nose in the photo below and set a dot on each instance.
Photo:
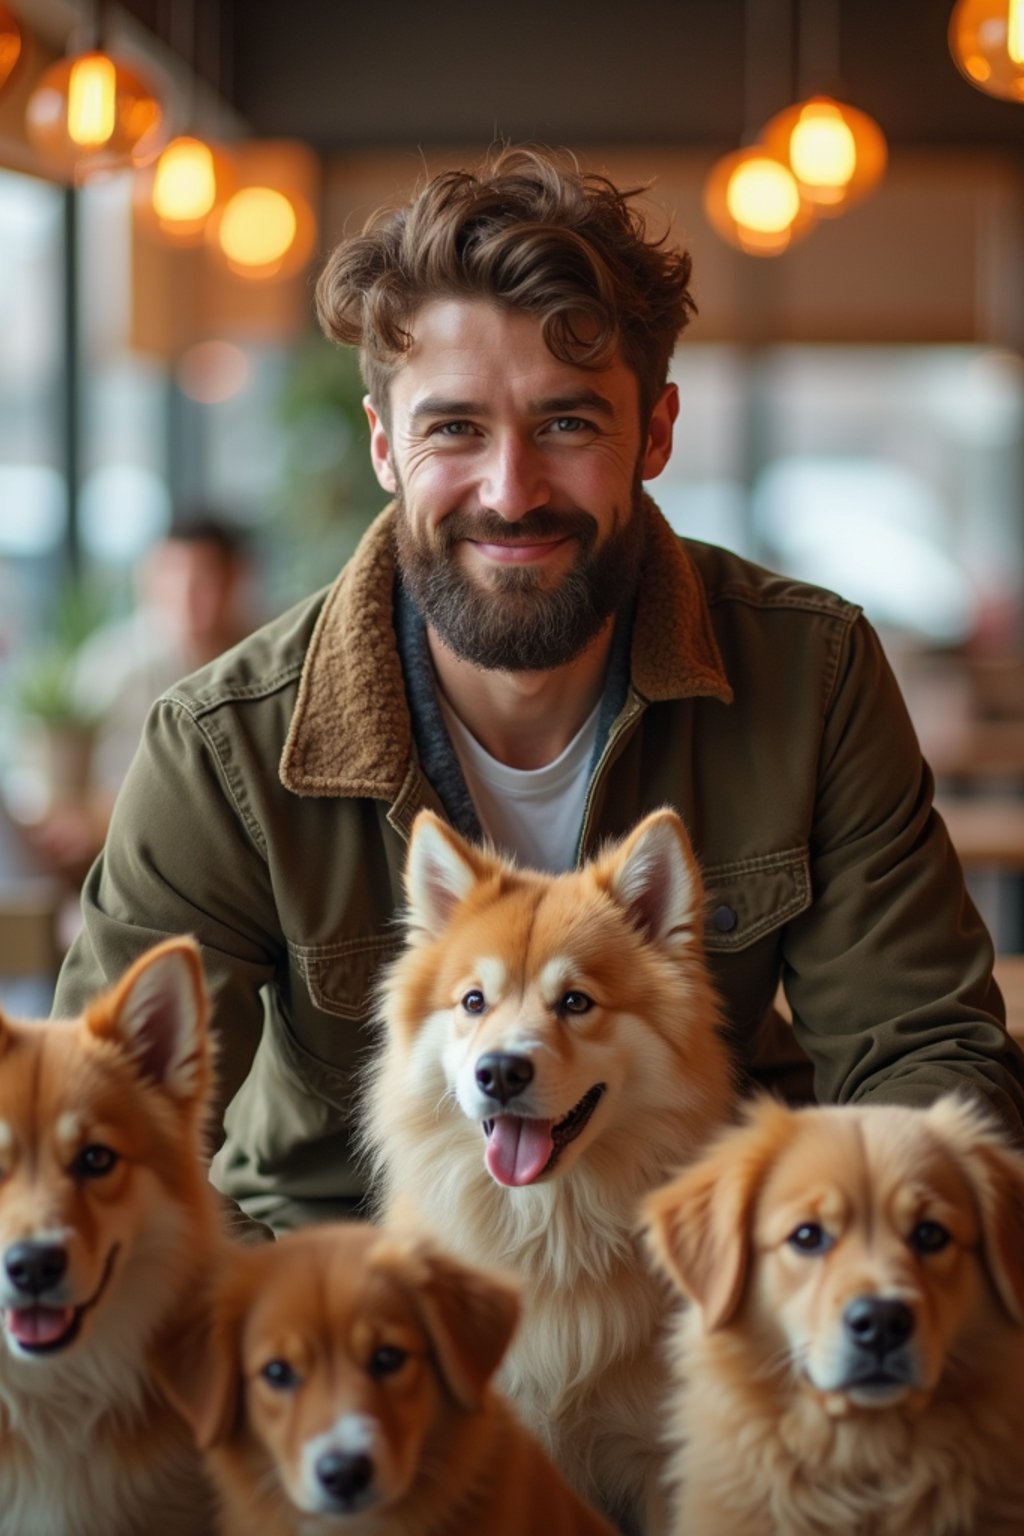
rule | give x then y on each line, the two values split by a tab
501	1076
35	1268
877	1324
345	1476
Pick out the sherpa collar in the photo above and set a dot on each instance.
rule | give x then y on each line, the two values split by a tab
350	733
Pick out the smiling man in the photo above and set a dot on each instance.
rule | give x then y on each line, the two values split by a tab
523	644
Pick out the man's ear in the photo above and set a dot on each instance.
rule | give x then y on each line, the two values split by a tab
380	448
658	449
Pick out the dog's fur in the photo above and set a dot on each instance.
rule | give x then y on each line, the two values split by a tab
377	1418
99	1253
595	977
854	1365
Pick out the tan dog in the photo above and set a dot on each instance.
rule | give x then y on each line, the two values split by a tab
552	1052
342	1384
107	1223
854	1364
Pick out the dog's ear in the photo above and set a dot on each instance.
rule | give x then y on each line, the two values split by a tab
653	875
469	1314
197	1365
996	1173
440	871
699	1226
158	1013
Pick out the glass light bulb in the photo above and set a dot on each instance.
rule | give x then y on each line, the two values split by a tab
92	97
822	149
1015	31
986	39
258	227
185	183
10	42
762	196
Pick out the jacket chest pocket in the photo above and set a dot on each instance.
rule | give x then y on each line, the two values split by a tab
341	978
333	998
748	898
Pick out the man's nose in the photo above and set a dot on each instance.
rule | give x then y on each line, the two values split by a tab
515	479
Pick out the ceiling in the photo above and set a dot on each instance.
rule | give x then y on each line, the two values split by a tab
345	75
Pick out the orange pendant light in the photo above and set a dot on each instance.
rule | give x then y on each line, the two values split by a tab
986	39
93	113
10	43
837	153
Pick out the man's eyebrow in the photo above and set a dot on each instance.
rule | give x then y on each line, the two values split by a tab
579	400
551	405
441	405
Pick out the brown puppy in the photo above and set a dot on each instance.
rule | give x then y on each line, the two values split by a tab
342	1383
107	1226
854	1364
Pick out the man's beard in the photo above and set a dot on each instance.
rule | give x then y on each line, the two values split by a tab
511	622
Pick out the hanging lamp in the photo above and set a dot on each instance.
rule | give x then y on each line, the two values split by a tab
751	196
10	43
836	152
94	112
266	230
192	176
986	39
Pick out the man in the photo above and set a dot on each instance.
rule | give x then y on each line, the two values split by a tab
523	644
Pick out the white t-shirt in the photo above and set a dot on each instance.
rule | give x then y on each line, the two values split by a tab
533	813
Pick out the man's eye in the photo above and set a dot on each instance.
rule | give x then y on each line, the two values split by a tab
565	425
454	429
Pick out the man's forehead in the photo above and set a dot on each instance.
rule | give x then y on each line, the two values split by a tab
464	351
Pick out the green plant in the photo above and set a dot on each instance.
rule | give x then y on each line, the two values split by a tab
45	682
327	492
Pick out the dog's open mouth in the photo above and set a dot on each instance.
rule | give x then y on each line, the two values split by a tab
520	1151
40	1330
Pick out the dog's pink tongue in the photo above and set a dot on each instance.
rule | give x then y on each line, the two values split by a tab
518	1150
38	1325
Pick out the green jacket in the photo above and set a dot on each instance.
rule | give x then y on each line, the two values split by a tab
268	808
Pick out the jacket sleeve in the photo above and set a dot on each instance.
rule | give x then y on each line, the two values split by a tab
180	858
889	971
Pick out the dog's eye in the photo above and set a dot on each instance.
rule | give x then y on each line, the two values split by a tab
575	1002
929	1237
474	1002
279	1374
94	1161
387	1360
808	1237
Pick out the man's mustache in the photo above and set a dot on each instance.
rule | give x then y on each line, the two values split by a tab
488	528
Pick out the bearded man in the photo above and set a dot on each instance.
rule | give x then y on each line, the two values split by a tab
522	644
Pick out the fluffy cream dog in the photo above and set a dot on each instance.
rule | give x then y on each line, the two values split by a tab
552	1052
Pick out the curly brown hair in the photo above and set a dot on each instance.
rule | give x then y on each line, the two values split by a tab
529	231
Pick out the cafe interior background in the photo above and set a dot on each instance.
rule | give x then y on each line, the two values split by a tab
848	177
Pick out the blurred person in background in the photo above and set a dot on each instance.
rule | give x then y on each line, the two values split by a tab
192	602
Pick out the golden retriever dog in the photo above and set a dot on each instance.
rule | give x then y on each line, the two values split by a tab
551	1053
107	1222
342	1383
854	1363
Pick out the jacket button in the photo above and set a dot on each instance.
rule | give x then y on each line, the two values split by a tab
723	919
